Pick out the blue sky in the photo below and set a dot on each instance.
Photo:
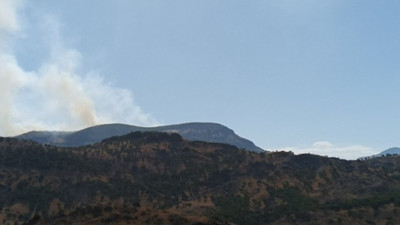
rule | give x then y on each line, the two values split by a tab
309	76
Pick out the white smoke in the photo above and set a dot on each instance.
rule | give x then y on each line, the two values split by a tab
56	96
8	14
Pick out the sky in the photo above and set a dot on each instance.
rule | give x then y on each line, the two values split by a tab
305	76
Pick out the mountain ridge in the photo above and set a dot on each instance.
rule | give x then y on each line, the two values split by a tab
388	152
195	131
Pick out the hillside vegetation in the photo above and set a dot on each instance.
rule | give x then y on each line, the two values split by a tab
160	178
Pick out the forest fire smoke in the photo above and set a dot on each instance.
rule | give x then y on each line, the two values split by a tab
55	96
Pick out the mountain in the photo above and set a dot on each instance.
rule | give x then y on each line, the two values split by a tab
209	132
388	152
161	178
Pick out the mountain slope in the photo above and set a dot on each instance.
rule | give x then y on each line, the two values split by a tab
160	178
388	152
209	132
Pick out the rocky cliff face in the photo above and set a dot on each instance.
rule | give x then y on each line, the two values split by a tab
161	178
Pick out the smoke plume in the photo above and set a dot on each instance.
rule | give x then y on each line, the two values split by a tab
8	16
55	96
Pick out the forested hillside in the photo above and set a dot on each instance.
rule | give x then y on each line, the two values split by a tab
160	178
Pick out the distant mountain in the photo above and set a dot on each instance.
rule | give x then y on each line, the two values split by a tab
387	152
160	178
209	132
390	151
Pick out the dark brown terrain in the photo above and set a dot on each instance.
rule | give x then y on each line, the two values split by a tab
160	178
